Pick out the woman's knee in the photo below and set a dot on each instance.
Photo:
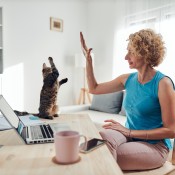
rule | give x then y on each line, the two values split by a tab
133	156
132	164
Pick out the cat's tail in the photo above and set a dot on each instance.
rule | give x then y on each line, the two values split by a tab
63	81
19	113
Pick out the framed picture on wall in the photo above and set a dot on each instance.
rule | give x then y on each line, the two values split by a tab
56	24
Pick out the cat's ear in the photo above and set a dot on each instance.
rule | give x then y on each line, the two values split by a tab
44	65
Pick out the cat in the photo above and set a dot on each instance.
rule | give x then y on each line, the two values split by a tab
48	108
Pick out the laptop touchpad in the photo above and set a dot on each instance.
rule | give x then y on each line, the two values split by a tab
59	127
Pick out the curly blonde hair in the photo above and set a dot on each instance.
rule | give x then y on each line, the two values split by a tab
147	45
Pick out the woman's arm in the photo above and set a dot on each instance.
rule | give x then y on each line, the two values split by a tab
108	87
166	95
153	134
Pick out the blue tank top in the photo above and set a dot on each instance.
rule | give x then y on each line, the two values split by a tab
142	105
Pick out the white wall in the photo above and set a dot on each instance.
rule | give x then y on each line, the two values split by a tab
29	42
101	25
104	19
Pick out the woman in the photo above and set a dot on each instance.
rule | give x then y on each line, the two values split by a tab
149	103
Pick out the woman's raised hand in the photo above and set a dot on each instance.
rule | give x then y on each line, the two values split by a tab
86	51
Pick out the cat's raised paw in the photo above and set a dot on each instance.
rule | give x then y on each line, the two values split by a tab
50	59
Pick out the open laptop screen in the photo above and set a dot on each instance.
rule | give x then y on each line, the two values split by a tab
8	112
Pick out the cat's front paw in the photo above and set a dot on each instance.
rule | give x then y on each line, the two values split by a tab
49	117
56	115
50	59
63	81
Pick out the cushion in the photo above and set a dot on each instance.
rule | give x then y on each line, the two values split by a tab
110	103
122	112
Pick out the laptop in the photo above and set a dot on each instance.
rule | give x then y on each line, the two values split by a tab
40	133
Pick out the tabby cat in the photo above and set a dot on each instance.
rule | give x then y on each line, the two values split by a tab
48	108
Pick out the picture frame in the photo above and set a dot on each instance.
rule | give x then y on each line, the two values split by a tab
56	24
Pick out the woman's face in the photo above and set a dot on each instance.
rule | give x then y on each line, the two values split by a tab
134	61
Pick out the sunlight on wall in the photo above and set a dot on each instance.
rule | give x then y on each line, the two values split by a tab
165	26
167	30
13	86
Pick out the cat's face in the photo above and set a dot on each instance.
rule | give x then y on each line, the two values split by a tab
46	70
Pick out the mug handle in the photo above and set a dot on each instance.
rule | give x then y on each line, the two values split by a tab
85	141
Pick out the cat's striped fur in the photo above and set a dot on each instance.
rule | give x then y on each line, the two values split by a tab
48	108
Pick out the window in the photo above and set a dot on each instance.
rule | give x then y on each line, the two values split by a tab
162	20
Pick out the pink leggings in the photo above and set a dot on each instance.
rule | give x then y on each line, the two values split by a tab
132	155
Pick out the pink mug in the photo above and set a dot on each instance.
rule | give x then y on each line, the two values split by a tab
67	146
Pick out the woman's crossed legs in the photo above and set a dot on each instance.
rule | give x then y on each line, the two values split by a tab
134	155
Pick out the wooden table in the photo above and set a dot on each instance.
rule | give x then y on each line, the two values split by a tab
37	159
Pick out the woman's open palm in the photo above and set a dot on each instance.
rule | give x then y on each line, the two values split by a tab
86	51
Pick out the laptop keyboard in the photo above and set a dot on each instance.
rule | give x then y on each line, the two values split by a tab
41	131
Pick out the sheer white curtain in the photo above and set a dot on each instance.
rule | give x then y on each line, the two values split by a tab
167	28
157	15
